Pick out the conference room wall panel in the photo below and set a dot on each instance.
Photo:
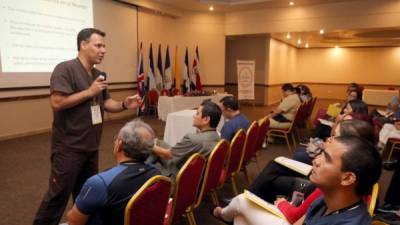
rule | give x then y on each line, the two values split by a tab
205	30
340	15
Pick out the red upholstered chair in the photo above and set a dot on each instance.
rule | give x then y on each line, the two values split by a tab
187	184
284	133
175	91
321	114
147	206
310	111
164	92
215	164
153	100
232	167
249	148
263	126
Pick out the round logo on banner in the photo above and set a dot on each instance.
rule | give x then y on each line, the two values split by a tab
245	78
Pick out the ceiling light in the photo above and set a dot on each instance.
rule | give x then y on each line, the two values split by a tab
299	41
336	46
211	8
288	35
291	3
307	45
321	31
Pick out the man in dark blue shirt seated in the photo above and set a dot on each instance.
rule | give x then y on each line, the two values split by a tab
345	171
234	120
103	197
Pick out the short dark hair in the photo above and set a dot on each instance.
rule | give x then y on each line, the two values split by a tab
360	128
86	33
230	102
212	110
362	159
287	87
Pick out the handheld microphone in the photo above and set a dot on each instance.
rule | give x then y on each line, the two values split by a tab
103	75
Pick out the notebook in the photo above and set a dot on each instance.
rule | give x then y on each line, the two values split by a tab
295	165
263	204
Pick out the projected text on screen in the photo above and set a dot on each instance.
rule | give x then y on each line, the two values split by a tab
36	35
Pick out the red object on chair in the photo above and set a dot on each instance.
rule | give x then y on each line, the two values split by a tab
233	163
262	132
215	164
164	92
147	206
153	100
187	184
249	147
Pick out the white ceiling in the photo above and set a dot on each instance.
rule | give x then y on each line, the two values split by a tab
330	38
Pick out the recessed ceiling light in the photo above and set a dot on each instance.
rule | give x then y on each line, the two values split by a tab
321	31
299	41
336	46
211	8
291	3
307	45
288	35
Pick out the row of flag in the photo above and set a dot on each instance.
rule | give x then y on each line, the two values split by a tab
160	78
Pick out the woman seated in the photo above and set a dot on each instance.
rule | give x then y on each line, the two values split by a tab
304	92
353	109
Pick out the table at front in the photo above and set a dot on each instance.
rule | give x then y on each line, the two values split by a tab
378	97
180	123
168	105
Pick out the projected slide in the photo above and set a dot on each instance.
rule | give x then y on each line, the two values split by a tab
35	35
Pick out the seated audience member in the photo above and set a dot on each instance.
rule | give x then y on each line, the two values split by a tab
354	90
390	130
206	121
342	181
304	92
282	116
385	116
234	120
355	108
103	197
276	179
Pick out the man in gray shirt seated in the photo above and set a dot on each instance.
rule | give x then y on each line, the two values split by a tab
172	158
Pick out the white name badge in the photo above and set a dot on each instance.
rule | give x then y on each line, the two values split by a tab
96	114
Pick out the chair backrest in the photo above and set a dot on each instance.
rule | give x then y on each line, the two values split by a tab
175	92
187	184
147	206
250	144
235	154
301	114
215	164
164	92
321	114
153	96
311	108
371	200
263	126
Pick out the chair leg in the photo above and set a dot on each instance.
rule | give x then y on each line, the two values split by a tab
288	143
193	219
189	218
214	197
391	151
234	186
294	139
246	175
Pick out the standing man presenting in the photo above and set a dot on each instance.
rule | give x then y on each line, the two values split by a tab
78	97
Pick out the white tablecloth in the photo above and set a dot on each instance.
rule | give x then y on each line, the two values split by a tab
180	123
378	97
168	105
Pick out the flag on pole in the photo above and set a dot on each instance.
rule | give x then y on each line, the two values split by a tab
167	71
151	81
186	77
159	71
196	71
140	78
177	72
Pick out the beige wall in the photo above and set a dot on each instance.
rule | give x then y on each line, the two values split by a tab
350	14
203	29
